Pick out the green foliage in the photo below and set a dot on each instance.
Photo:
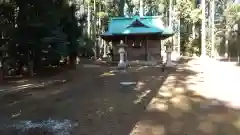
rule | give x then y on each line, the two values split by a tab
195	15
187	12
184	8
51	34
102	15
232	14
39	31
190	15
155	7
190	46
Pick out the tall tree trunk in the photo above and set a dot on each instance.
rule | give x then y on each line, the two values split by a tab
170	13
203	37
226	54
105	44
122	4
213	28
170	21
141	8
96	50
193	25
89	19
179	36
100	30
176	37
72	60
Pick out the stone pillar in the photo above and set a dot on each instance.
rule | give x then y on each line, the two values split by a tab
105	49
169	62
122	64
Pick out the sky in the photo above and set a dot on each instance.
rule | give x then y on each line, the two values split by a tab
237	1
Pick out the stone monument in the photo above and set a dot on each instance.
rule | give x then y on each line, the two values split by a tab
169	62
122	64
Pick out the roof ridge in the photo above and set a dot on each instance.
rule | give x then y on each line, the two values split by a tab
137	21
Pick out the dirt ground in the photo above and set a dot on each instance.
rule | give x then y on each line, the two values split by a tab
160	103
94	98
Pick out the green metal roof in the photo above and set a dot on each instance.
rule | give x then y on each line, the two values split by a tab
167	31
125	26
154	22
116	25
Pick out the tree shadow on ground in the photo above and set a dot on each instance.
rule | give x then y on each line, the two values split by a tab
39	90
233	60
112	108
181	110
17	89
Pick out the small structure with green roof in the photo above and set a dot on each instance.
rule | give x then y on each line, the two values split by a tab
142	35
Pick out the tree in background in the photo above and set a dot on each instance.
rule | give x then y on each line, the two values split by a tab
39	34
232	17
190	16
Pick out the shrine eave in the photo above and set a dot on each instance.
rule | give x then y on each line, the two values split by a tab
149	36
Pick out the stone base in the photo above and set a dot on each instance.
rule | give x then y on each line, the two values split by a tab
169	63
145	63
122	65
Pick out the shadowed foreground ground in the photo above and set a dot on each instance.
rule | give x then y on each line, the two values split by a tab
100	105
